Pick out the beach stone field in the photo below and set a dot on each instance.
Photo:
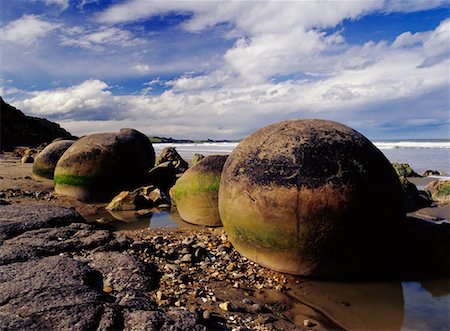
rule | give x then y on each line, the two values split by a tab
295	201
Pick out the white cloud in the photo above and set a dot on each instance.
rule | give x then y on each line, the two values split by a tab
141	68
26	30
63	4
99	38
85	97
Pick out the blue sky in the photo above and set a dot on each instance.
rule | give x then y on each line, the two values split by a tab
222	69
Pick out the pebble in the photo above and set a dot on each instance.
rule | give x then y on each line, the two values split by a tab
225	306
107	289
186	258
206	315
256	308
159	295
308	324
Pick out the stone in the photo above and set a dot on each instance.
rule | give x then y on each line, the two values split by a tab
15	220
98	166
164	176
27	159
404	170
197	158
53	293
45	162
170	154
174	319
51	241
413	198
440	190
145	197
427	173
196	193
225	306
312	197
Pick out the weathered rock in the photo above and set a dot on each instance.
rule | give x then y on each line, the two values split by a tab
427	173
440	190
404	170
197	158
51	241
144	197
15	220
312	197
163	176
55	293
127	277
98	166
27	159
196	193
45	162
170	154
413	198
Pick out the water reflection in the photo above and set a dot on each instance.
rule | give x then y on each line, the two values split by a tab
411	305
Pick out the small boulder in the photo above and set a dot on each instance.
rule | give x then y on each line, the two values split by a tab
196	193
45	163
413	198
427	173
404	170
27	159
170	154
197	158
146	197
164	176
98	166
440	190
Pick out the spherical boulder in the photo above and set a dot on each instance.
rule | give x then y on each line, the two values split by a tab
312	197
196	192
98	166
45	162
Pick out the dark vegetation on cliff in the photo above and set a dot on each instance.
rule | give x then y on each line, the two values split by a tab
18	129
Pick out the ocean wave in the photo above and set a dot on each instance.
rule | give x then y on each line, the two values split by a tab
412	144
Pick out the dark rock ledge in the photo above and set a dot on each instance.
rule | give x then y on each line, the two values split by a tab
59	273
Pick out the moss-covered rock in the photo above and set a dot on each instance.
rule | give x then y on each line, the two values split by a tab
195	194
98	166
27	159
197	158
312	197
440	190
404	170
45	162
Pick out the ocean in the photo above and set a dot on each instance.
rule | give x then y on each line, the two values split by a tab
420	154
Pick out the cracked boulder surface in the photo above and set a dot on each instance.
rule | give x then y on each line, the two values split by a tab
59	273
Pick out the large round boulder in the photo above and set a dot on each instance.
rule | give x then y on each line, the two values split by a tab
312	197
196	192
98	166
45	162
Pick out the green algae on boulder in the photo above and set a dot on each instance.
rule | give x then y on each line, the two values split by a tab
98	166
45	162
196	192
404	170
312	197
440	190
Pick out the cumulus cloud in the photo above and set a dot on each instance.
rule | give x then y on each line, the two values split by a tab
26	30
279	64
